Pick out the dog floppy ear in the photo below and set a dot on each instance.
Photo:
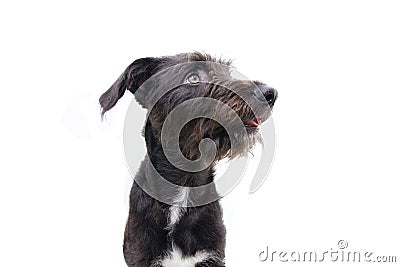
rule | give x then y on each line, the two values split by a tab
131	79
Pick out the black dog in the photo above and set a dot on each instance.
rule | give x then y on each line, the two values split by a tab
165	226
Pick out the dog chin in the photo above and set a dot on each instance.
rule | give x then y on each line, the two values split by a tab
244	143
252	129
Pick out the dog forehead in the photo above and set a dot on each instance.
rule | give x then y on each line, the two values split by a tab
197	59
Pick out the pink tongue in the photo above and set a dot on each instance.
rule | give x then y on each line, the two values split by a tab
254	123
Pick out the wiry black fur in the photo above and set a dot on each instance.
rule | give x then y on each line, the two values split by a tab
147	236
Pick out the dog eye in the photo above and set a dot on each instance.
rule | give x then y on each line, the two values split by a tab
193	79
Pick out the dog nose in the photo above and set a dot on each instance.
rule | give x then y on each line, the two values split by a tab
268	93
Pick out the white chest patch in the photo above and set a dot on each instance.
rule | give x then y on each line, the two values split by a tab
176	259
179	207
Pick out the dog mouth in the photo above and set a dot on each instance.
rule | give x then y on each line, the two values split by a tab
252	123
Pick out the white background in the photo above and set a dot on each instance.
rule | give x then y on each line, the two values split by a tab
336	64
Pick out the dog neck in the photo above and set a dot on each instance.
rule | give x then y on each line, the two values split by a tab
168	170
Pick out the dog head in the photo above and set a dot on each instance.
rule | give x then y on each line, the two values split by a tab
198	98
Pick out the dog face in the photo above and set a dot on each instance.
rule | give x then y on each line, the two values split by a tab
187	81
